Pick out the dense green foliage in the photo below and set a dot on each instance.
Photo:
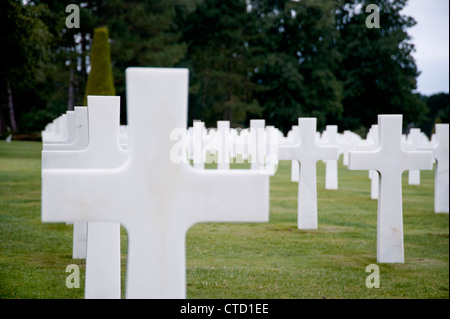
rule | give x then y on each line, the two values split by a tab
377	70
272	59
437	112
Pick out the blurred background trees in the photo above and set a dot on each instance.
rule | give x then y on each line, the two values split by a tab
272	59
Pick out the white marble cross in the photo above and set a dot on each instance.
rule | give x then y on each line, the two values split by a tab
48	131
413	141
123	136
103	141
80	142
390	160
307	152
441	179
257	149
330	136
272	136
371	144
103	239
66	127
80	133
56	131
155	199
79	245
347	142
241	146
292	138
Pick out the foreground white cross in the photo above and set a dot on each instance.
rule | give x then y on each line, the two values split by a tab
305	150
155	199
390	160
441	179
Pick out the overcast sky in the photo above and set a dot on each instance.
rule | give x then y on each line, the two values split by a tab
430	36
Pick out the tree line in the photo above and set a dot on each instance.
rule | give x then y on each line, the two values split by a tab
271	59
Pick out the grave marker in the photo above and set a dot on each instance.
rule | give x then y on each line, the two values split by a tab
103	150
257	145
441	179
370	144
307	152
80	133
390	160
80	142
330	136
155	199
67	134
413	140
223	145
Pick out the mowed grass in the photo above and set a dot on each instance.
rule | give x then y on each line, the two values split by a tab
241	260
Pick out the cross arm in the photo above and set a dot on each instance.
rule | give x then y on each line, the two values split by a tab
328	152
232	196
363	160
80	195
288	152
418	160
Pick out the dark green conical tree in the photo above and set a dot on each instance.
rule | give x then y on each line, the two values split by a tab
100	79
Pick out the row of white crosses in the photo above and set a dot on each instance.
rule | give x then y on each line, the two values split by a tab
155	199
123	175
97	241
385	156
256	144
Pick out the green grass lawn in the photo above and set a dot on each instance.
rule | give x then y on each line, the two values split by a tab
235	260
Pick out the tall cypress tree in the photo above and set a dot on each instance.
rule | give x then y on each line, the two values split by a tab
100	79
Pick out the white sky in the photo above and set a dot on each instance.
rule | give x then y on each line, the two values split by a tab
430	36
